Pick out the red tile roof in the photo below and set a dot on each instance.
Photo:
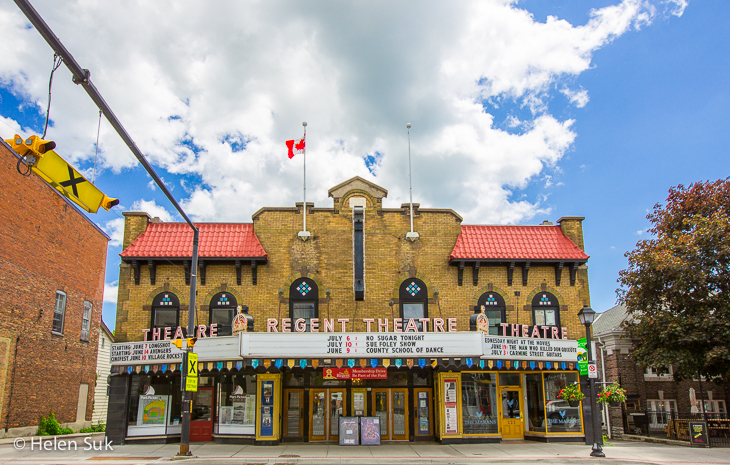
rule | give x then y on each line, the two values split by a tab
515	243
217	240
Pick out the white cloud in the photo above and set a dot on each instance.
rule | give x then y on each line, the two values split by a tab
677	6
579	98
110	292
151	207
215	91
115	230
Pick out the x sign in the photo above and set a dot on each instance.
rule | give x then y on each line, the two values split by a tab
191	377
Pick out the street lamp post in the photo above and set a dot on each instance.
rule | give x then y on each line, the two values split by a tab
587	315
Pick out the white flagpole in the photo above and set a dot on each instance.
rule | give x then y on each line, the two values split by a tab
412	236
303	235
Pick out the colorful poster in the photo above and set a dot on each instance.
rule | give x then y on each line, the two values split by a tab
370	431
267	408
152	410
356	373
349	431
451	415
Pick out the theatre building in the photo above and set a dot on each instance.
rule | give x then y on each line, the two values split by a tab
459	333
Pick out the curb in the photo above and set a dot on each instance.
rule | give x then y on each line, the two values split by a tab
62	437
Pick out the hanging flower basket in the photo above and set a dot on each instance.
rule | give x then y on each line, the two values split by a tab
571	393
613	394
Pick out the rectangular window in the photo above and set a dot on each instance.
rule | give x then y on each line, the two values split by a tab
86	321
303	310
59	312
223	317
560	416
653	372
165	318
479	403
545	317
535	402
495	318
660	411
413	311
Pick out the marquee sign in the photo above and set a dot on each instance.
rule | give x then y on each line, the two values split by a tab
129	353
523	348
372	345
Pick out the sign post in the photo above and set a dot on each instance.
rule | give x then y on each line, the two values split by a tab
592	371
191	372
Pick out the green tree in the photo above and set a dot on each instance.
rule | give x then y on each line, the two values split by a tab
677	284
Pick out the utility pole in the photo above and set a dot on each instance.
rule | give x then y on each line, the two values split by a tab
83	77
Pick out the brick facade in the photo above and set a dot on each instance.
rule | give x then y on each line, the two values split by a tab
615	350
46	245
327	259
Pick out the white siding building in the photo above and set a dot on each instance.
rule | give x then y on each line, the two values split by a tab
101	400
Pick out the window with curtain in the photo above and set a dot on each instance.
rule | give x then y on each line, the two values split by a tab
413	297
545	310
222	310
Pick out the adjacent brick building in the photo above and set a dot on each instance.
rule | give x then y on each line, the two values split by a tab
52	261
647	391
357	264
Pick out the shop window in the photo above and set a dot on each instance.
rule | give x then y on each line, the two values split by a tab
560	416
150	405
237	405
660	411
86	321
545	310
59	312
165	311
493	307
479	403
222	310
413	296
715	408
535	402
303	302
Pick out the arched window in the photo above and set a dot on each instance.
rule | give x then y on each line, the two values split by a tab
165	311
303	301
222	310
413	297
545	310
492	304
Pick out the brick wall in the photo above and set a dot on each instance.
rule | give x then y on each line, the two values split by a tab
45	245
327	258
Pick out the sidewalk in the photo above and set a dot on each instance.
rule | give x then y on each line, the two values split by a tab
391	453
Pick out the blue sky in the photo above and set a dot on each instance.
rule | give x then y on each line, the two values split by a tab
521	111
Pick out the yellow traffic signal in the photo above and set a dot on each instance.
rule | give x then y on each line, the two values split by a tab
47	164
191	341
33	144
177	343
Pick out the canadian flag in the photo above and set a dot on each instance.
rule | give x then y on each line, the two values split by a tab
299	147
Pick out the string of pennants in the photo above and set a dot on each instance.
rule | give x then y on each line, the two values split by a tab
302	363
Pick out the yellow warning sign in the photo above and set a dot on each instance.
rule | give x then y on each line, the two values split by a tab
191	373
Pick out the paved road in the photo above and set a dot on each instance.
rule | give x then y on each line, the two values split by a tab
529	452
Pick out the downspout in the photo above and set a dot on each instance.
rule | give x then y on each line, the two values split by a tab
603	375
12	383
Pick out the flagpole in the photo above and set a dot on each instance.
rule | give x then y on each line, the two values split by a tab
412	236
304	234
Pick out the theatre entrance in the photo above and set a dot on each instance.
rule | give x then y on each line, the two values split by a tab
511	418
391	406
326	407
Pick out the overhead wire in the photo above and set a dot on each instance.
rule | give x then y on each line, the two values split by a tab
57	60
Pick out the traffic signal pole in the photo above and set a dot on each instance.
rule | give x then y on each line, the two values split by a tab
83	77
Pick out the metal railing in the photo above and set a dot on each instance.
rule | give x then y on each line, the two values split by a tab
675	425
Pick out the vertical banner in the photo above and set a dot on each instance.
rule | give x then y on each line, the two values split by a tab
582	357
267	409
451	408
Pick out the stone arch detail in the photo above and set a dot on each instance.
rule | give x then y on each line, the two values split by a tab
507	298
358	193
396	286
551	290
183	298
222	288
288	283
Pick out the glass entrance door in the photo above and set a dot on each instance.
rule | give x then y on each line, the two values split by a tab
326	407
391	406
511	417
293	400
